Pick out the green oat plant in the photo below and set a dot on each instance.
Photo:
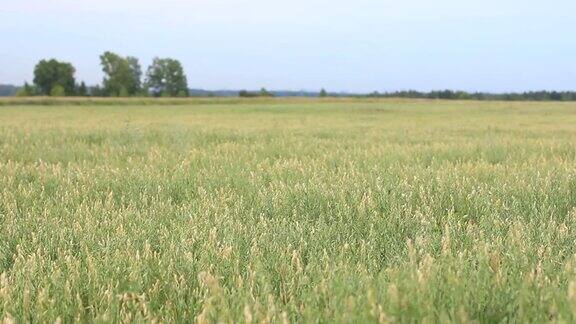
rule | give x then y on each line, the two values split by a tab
287	210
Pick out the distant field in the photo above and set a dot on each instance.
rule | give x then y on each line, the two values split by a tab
287	210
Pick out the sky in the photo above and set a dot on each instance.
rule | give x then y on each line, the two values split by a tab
354	46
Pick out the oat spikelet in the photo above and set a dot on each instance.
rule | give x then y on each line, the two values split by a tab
247	314
572	291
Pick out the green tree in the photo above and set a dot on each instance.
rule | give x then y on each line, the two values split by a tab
58	91
51	73
122	75
323	93
165	77
26	91
82	90
96	91
265	93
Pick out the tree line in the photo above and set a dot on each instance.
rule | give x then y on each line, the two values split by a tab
463	95
165	77
265	93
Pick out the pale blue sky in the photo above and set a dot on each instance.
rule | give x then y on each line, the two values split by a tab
360	45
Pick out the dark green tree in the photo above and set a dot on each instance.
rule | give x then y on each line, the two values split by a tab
165	77
96	91
323	93
122	75
82	90
51	74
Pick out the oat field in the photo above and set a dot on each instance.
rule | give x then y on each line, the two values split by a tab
287	210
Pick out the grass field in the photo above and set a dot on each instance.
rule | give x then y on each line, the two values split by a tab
288	211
